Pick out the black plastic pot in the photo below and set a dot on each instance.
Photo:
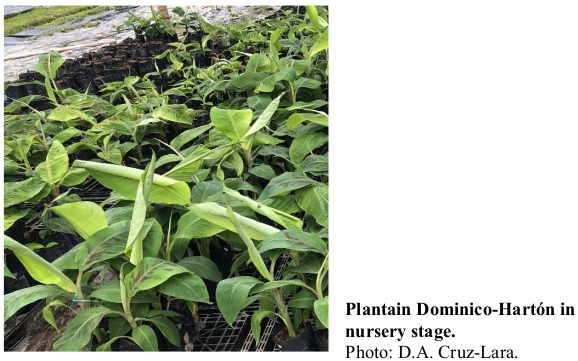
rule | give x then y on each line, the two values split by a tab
304	341
322	345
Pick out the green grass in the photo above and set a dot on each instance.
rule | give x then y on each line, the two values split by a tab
40	17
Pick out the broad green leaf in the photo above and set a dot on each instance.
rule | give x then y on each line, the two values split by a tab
168	329
321	44
85	217
246	82
18	192
317	103
56	164
79	331
253	252
145	338
268	84
258	63
64	114
149	273
304	145
259	102
233	123
37	267
106	347
300	65
202	267
216	214
168	158
275	150
204	190
231	295
321	308
112	155
189	135
294	240
285	204
315	163
173	113
302	299
265	117
284	183
48	64
111	292
315	201
191	226
186	287
73	177
49	317
125	180
66	134
153	239
306	83
12	215
102	245
18	299
190	165
298	118
313	16
284	219
134	247
261	138
256	319
274	285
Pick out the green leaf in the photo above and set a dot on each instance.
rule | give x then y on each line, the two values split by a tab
265	117
37	267
313	16
112	155
79	331
12	215
125	180
321	44
111	292
103	245
284	183
145	338
305	144
285	204
259	102
202	267
275	150
149	273
294	240
253	252
48	64
246	82
85	217
216	214
189	135
275	285
284	219
73	177
204	190
191	164
258	63
191	226
42	194
315	201
66	134
173	113
49	317
187	287
168	329
321	308
231	295
315	163
256	319
7	272
233	123
134	246
302	299
298	118
18	192
268	84
18	299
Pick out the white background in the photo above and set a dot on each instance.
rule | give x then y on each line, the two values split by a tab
453	170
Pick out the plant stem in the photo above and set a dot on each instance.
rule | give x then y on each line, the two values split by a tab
278	295
101	337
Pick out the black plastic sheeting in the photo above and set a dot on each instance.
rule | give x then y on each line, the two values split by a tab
14	39
11	10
